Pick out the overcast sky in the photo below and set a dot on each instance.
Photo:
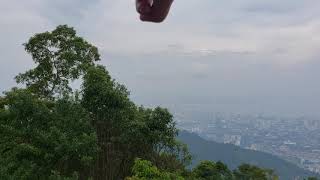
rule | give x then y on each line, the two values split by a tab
242	56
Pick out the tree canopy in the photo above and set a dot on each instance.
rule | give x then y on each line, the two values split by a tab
41	137
61	56
49	131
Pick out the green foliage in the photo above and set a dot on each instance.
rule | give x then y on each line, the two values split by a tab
97	133
156	131
40	136
144	170
312	178
208	170
2	103
105	99
57	176
61	56
125	131
250	172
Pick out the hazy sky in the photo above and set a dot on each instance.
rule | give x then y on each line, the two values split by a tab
245	56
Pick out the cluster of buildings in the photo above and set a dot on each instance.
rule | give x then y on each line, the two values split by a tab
295	139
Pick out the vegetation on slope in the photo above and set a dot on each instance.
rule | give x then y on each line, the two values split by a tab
234	156
50	131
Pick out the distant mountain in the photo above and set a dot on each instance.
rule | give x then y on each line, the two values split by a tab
233	156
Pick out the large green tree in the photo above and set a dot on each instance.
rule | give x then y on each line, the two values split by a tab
43	136
49	131
40	138
208	170
61	56
111	113
126	131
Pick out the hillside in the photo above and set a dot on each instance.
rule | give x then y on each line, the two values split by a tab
233	156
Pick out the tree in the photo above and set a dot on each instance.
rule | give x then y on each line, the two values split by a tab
61	56
208	170
144	170
124	131
42	138
111	112
98	132
50	132
251	172
159	138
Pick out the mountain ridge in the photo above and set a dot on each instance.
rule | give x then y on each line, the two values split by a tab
233	156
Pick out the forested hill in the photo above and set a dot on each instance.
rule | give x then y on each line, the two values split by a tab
50	131
233	156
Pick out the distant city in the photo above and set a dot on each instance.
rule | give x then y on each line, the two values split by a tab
295	139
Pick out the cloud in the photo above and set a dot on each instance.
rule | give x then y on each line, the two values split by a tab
283	30
242	25
243	52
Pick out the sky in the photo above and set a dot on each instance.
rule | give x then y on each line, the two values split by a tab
234	56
